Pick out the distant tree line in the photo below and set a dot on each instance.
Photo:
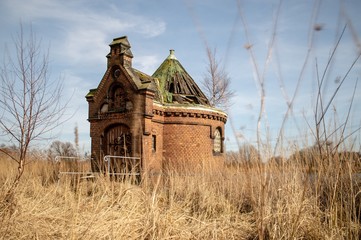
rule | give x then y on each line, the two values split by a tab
312	157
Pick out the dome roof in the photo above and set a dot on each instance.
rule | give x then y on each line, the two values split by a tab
176	85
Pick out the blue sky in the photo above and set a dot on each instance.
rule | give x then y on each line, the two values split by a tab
78	33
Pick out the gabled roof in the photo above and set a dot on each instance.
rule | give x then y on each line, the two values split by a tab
176	85
137	78
170	82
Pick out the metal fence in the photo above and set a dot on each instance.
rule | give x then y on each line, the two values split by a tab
117	167
73	165
123	166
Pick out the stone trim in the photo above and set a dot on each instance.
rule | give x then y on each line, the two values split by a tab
182	123
110	115
179	107
182	113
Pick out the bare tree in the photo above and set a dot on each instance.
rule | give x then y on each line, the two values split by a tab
216	82
30	102
58	148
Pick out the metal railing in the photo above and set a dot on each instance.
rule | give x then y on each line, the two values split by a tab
71	165
116	166
123	166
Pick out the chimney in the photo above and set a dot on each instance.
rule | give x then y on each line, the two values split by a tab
120	52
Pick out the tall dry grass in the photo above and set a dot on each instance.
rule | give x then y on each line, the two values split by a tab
312	197
270	201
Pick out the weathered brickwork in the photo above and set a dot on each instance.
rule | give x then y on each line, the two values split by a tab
189	133
127	116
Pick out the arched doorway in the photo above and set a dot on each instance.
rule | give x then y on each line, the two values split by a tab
117	141
117	147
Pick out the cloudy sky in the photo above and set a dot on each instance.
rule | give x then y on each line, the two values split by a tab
276	46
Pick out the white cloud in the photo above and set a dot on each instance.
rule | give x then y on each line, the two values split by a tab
88	40
86	31
81	30
146	64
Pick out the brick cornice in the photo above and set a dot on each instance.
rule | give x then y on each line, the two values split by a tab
189	113
110	115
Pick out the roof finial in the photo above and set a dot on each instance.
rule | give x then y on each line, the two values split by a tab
171	55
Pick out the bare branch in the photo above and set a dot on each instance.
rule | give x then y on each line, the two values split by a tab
216	82
31	101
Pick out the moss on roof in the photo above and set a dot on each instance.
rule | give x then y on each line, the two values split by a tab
143	76
149	83
91	92
176	85
170	82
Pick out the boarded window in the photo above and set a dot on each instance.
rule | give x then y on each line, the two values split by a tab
117	99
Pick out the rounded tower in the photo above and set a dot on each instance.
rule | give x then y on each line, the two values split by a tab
193	131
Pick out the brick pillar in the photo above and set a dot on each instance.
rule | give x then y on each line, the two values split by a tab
147	128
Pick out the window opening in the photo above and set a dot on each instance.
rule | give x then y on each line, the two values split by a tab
118	99
217	142
154	143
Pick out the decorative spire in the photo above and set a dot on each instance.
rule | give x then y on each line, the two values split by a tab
171	55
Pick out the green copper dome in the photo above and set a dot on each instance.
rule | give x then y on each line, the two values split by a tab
176	85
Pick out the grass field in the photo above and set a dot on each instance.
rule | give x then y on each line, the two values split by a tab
314	194
258	201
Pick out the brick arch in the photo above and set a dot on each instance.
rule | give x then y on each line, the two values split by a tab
117	140
117	97
218	141
114	71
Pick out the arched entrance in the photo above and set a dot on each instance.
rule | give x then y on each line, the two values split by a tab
117	141
117	146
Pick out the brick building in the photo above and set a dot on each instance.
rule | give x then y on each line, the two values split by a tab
163	119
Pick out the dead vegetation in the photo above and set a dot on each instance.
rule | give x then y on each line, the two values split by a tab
231	203
316	195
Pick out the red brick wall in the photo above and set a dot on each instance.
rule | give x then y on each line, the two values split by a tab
188	134
156	157
184	133
186	143
133	119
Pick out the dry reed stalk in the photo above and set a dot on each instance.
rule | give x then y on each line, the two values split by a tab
184	205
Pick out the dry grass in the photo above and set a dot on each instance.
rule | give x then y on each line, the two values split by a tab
308	199
235	202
